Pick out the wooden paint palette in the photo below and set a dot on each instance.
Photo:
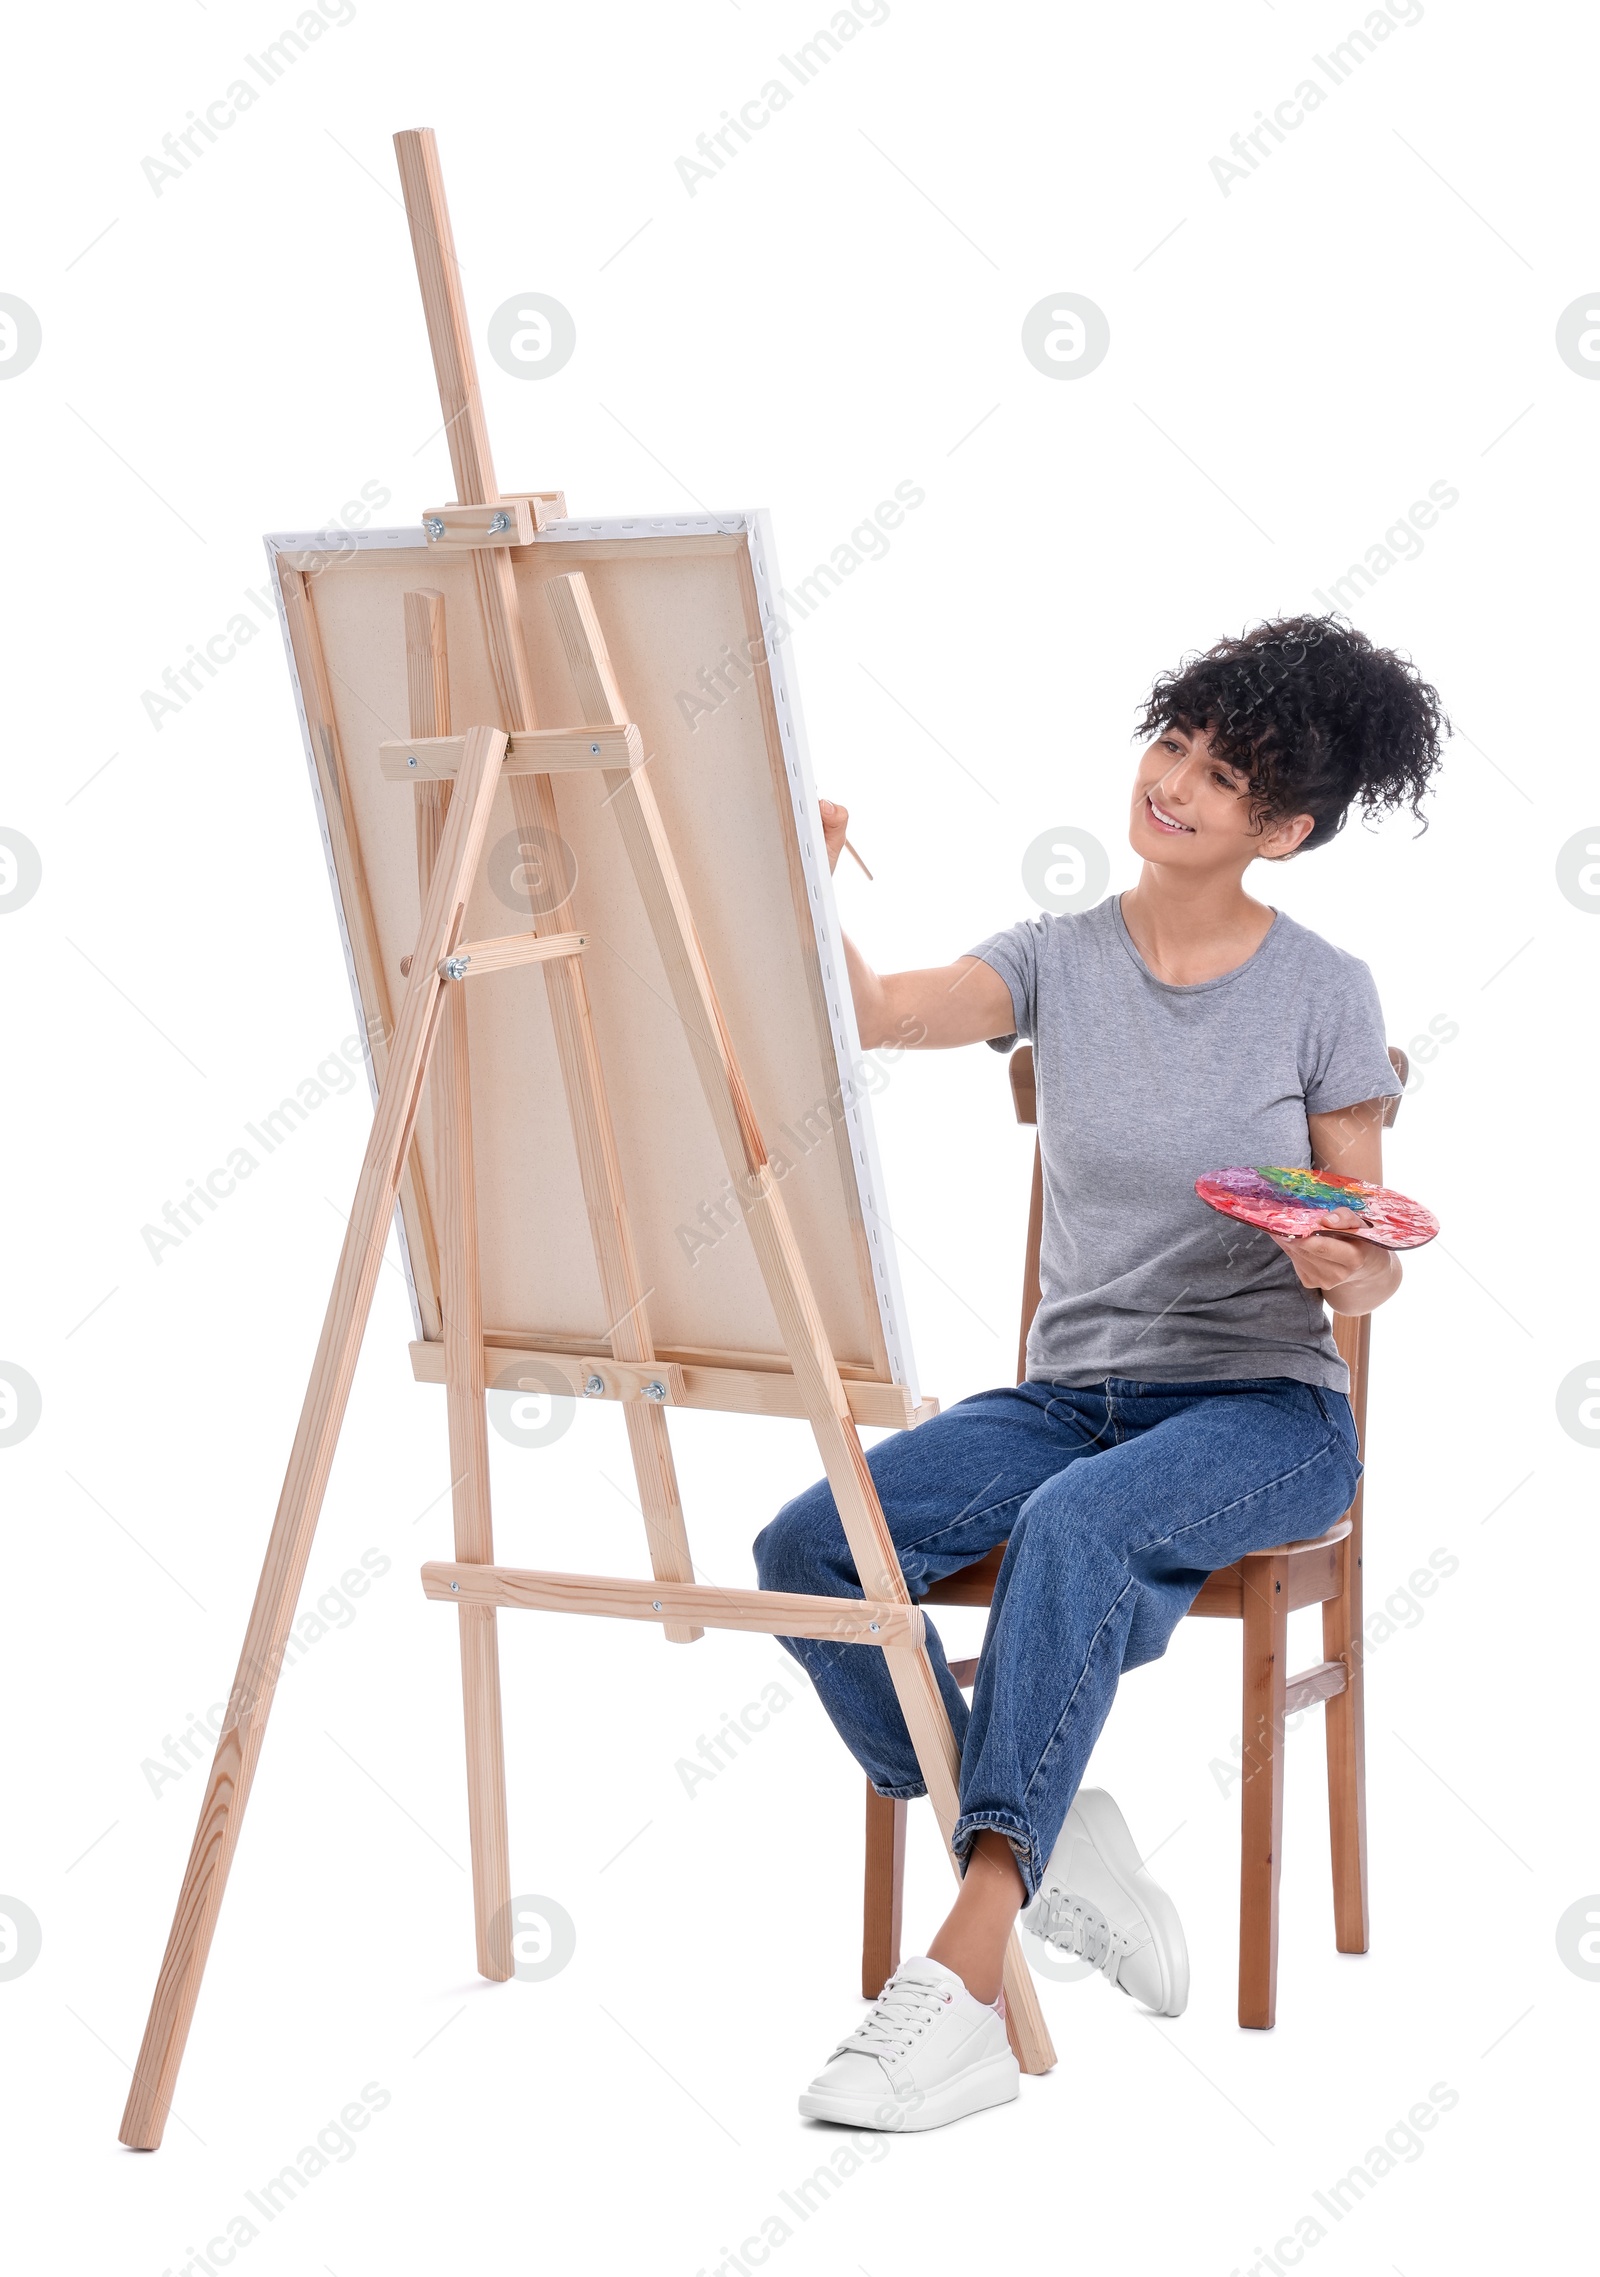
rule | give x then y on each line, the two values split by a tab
1295	1202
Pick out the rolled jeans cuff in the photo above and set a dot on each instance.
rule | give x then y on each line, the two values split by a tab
1017	1832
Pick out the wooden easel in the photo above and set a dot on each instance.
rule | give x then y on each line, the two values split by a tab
429	1046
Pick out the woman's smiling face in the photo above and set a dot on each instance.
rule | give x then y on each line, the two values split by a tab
1192	808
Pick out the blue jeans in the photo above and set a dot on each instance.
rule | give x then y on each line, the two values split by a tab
1115	1501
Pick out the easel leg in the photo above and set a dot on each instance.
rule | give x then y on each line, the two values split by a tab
311	1460
928	1721
534	804
799	1322
461	1308
666	1536
467	1393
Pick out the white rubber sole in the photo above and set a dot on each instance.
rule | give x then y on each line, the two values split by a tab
995	2080
1108	1830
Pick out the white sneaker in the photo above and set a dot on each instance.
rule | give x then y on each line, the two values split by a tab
1096	1900
927	2053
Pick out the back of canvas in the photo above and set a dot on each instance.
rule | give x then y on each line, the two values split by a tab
683	610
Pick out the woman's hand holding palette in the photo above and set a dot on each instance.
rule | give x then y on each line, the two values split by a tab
1293	1203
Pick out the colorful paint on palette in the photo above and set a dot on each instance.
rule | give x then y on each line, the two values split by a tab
1327	1190
1290	1201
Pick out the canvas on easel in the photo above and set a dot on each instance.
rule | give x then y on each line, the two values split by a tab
687	609
575	850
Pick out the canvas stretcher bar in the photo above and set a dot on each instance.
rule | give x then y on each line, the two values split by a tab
732	1384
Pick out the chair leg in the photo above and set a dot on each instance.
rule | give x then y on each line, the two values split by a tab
1345	1724
885	1891
1266	1636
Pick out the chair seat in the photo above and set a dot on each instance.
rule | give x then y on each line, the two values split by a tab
1316	1571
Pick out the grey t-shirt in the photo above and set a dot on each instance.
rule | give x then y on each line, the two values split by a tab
1143	1085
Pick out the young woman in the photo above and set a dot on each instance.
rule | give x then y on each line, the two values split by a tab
1185	1402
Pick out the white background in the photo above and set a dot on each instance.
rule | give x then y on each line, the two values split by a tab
1371	310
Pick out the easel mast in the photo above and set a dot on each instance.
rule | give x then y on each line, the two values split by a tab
430	1044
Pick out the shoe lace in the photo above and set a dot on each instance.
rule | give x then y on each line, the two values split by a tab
905	2008
1075	1926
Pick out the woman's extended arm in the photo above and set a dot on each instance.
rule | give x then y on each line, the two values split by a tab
1354	1276
962	1003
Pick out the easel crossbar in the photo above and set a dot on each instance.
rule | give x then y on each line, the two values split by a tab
507	950
765	1612
533	751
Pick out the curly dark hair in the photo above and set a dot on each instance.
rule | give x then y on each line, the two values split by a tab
1319	717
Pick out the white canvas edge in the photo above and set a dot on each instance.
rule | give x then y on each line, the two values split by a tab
830	952
755	527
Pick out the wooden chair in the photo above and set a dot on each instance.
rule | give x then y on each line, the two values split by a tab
1260	1592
